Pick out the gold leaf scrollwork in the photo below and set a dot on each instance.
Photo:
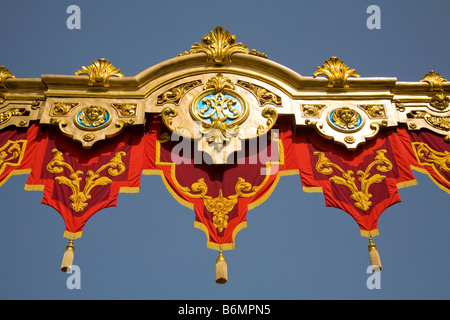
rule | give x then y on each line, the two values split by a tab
442	123
7	115
336	72
99	72
4	74
374	110
126	109
264	96
427	156
167	114
80	197
312	110
360	196
271	115
434	80
219	45
10	151
174	95
62	108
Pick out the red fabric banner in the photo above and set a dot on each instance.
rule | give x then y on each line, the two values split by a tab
219	194
364	182
79	182
17	151
430	154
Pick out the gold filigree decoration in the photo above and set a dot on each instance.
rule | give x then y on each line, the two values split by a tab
167	114
440	101
442	123
218	131
312	110
263	95
434	80
11	154
126	109
62	108
219	45
360	196
4	74
220	206
220	114
99	72
336	72
427	156
80	197
271	115
345	118
7	115
174	95
374	110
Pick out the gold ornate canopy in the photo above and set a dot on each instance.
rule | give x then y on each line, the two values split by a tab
220	64
219	94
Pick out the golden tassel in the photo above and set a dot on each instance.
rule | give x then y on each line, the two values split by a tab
221	269
68	257
374	256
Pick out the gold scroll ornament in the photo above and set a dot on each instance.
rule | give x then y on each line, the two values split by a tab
426	156
11	154
361	197
220	206
80	197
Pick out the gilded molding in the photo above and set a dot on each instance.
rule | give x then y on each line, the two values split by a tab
99	72
219	45
336	72
4	74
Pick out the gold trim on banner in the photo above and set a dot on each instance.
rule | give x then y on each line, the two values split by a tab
438	161
243	186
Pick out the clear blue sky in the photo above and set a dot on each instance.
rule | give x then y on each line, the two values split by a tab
294	247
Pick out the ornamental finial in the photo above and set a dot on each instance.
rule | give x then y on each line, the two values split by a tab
99	72
336	72
219	45
4	74
434	80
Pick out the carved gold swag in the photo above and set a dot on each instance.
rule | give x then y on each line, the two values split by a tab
361	197
80	197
